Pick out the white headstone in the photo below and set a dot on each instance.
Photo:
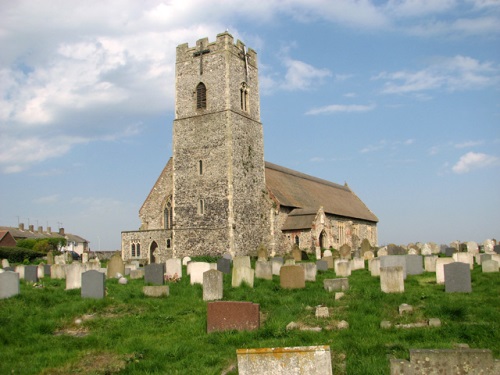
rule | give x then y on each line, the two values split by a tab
174	267
74	276
196	271
440	262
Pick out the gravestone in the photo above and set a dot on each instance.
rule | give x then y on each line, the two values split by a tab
137	274
496	249
483	257
345	251
382	252
392	279
228	256
276	263
73	276
330	261
46	270
196	271
464	258
357	264
242	261
20	271
298	360
310	271
40	271
224	265
490	266
321	265
449	251
185	261
9	284
414	265
368	255
296	254
289	262
93	284
375	267
262	254
343	268
430	263
440	263
50	257
365	246
457	278
263	270
488	246
231	315
242	275
31	274
426	250
393	261
5	263
173	268
85	258
472	247
327	253
58	271
154	274
115	266
292	277
156	290
336	285
212	285
393	249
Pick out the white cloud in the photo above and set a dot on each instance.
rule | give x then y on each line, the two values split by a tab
418	8
472	160
468	144
302	76
338	108
49	199
384	144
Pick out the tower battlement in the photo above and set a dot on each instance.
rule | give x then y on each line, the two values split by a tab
224	42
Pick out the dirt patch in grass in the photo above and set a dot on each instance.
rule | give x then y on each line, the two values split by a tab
93	363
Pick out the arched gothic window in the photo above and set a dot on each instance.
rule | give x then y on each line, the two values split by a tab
132	250
138	249
168	216
201	96
297	240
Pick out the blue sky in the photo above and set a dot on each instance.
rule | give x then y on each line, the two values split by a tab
398	98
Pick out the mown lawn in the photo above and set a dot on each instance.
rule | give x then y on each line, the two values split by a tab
128	333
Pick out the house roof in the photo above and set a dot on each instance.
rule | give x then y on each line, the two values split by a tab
301	191
26	234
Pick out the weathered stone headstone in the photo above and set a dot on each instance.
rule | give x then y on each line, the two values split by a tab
457	278
296	254
375	267
440	263
156	290
289	262
321	265
115	266
46	270
430	263
58	271
242	275
392	279
262	253
224	265
31	274
490	266
330	261
5	263
343	268
449	251
365	246
310	360
393	261
231	315
327	253
322	312
368	255
137	274
426	250
276	263
464	258
85	258
73	276
414	265
40	271
228	256
185	261
345	251
93	284
357	264
196	270
9	284
154	274
212	285
50	257
292	277
336	285
263	270
20	271
483	257
472	247
393	249
310	271
488	246
382	252
241	261
174	268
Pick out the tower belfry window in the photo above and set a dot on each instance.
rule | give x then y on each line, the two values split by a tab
201	96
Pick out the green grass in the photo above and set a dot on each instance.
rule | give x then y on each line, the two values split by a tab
128	333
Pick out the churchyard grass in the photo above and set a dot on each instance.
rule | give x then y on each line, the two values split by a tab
129	333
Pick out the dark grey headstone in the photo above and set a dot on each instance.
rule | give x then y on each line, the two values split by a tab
322	265
31	274
394	261
93	284
278	259
154	273
496	249
9	284
457	277
449	251
414	264
46	269
224	265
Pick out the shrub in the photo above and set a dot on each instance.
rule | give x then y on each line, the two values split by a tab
19	254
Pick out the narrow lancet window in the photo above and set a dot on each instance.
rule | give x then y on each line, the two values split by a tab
201	96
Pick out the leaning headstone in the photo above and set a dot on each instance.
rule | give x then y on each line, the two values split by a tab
430	263
5	263
336	285
196	271
9	284
310	271
242	261
321	265
490	266
174	268
392	279
31	274
310	360
137	274
212	285
440	263
154	274
393	261
115	265
263	270
231	315
73	276
224	265
343	268
93	284
457	278
242	275
292	277
414	265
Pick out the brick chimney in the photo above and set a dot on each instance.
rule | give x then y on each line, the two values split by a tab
31	228
49	230
61	231
21	226
40	229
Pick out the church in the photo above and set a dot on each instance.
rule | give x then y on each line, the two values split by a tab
217	194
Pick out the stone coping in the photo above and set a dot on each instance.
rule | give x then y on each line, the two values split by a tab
291	349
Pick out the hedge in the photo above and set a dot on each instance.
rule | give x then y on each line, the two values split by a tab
18	254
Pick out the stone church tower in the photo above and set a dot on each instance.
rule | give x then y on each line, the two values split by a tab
218	150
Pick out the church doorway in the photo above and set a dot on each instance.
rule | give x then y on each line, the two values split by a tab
152	249
322	240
